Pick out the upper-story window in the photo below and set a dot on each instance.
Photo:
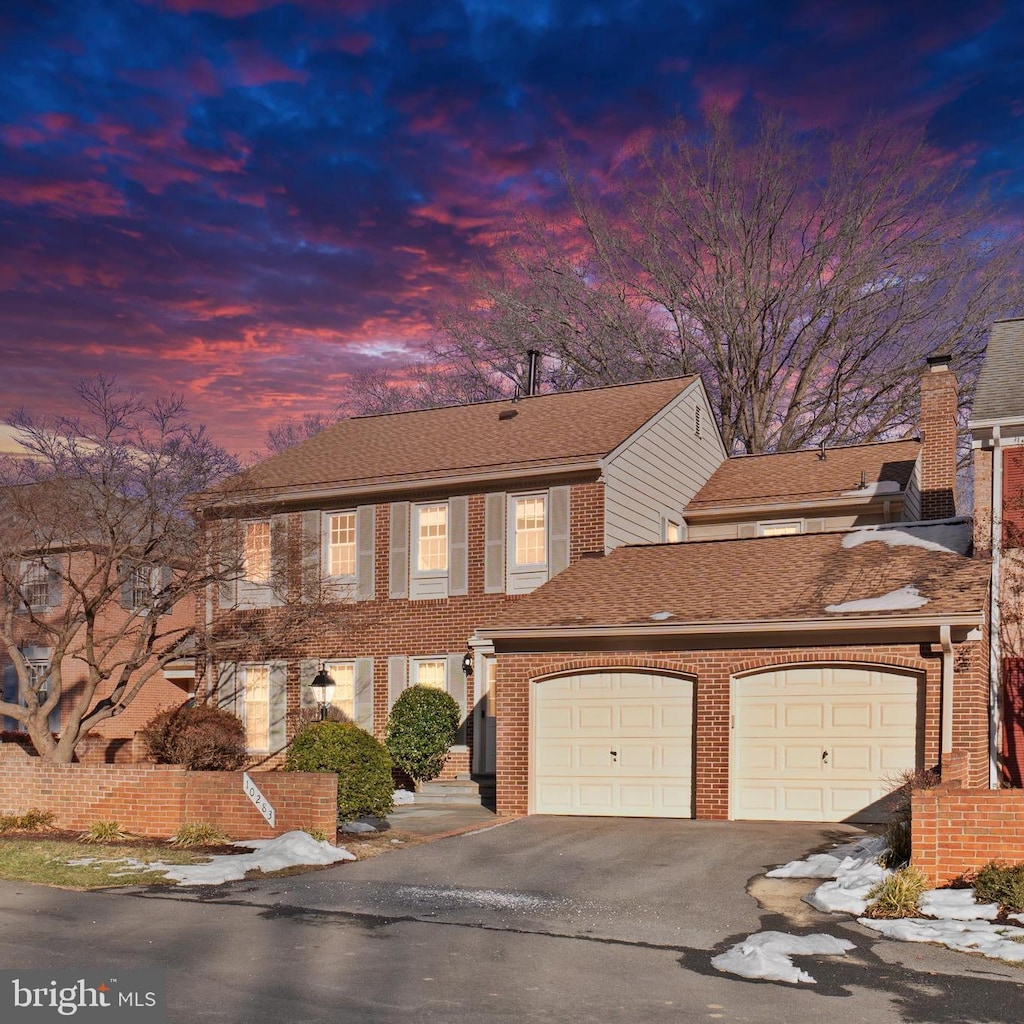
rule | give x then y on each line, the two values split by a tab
430	535
341	543
36	585
780	528
529	523
256	552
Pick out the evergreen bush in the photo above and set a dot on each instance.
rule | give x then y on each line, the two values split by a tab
421	729
1002	884
199	737
362	763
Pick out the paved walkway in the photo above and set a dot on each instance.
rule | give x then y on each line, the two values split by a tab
427	819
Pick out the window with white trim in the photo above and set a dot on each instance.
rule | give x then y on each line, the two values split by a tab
430	534
344	675
530	532
341	544
145	583
429	672
780	528
35	585
256	552
673	531
256	682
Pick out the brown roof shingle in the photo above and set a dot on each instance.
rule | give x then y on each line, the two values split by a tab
544	430
1000	390
768	579
803	476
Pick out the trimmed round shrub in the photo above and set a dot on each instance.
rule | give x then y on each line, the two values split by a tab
198	737
421	729
362	763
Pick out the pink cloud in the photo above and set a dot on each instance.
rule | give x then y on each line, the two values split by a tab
255	67
70	198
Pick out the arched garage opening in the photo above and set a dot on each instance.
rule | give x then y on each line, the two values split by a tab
614	742
823	742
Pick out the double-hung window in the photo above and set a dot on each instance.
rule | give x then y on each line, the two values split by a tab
430	532
340	530
256	682
429	672
256	552
35	585
344	675
529	515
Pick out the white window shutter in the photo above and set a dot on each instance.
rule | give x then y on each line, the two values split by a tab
458	546
229	545
457	687
10	695
398	563
398	677
364	694
494	543
278	591
127	575
54	583
312	553
278	710
366	529
558	530
227	687
308	669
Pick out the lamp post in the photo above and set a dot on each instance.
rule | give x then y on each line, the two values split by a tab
323	686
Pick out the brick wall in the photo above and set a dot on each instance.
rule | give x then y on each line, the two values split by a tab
712	671
156	800
955	831
938	433
387	626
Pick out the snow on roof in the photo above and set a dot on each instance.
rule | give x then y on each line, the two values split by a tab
896	600
940	535
870	490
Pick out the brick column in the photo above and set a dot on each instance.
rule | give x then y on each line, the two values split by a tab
939	401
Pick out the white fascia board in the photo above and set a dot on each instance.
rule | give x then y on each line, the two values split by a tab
964	620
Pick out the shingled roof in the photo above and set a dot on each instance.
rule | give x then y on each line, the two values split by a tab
557	430
793	579
804	476
999	395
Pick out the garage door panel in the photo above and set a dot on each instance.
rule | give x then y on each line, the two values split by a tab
647	719
868	727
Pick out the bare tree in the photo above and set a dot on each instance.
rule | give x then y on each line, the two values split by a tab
100	559
804	279
290	431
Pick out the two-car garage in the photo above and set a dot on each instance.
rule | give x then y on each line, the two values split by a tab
806	743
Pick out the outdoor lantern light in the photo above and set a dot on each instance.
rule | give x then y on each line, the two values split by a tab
467	663
323	686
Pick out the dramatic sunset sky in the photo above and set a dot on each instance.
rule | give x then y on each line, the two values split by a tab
245	200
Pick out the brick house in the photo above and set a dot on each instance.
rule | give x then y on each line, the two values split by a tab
997	428
51	586
802	650
423	526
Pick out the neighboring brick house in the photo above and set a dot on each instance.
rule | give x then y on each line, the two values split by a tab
47	585
423	527
776	677
997	427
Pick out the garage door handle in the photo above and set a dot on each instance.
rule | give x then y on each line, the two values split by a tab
824	756
614	753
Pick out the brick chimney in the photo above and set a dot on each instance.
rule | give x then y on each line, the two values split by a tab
939	399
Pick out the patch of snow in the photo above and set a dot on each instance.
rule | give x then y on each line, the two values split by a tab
896	600
769	955
284	851
942	535
996	941
662	616
848	893
403	796
492	899
878	487
357	827
828	865
957	905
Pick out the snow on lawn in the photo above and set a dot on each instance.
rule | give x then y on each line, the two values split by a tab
954	918
769	955
894	601
284	851
943	535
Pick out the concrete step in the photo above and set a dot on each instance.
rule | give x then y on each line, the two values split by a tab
467	792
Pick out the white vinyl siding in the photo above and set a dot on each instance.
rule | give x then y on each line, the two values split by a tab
660	468
912	498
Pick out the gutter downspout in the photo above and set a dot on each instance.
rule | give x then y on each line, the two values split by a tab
946	729
995	658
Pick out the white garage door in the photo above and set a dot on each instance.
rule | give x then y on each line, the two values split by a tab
821	744
613	743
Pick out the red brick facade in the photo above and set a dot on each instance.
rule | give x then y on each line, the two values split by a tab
156	800
957	831
938	455
388	626
712	672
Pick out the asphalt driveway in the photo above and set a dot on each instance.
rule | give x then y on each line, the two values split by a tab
657	881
